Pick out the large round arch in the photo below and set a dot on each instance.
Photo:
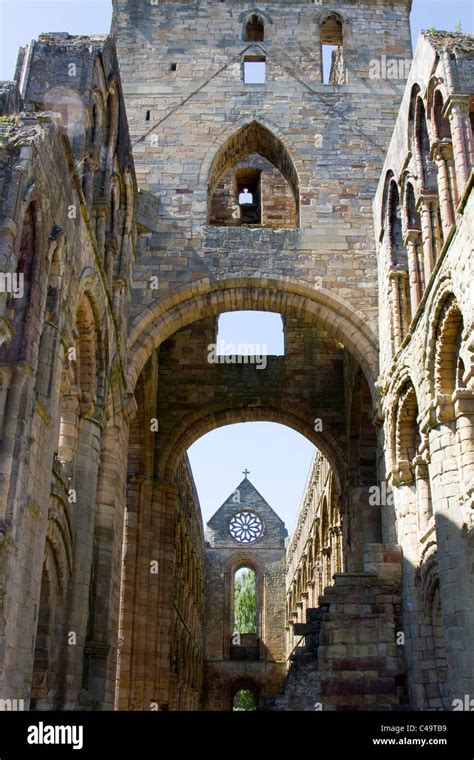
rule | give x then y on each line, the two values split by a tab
206	298
186	435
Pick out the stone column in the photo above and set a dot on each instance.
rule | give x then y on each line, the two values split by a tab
454	561
84	482
102	642
101	221
464	415
427	230
412	242
444	187
110	254
148	597
395	311
457	110
423	494
88	184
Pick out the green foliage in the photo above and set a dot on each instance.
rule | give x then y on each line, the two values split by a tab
244	700
245	602
459	26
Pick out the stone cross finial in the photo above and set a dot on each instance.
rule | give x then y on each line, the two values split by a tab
246	472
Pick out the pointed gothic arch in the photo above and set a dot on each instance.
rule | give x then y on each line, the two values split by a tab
251	141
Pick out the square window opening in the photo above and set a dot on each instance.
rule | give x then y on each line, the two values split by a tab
255	70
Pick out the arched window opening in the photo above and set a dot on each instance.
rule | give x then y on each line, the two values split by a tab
412	115
449	366
414	243
423	148
442	125
245	642
412	214
254	193
443	153
256	161
332	55
254	29
245	601
244	701
407	433
399	283
93	134
397	249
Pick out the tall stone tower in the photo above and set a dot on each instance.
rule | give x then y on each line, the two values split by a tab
244	533
203	126
224	97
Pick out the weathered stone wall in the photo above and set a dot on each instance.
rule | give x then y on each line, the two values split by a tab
349	656
329	138
104	372
315	551
62	392
426	320
10	99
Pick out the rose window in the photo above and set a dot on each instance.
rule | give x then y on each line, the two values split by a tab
246	527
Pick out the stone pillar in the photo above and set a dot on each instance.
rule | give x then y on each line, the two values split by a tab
144	674
464	415
430	249
395	310
423	494
412	242
102	643
365	521
440	154
101	221
86	467
457	110
454	561
88	184
110	254
13	384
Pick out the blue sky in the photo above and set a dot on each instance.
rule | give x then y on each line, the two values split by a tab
21	21
278	458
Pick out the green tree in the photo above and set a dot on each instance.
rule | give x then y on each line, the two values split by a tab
245	602
244	700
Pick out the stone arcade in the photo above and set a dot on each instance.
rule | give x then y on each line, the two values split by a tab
122	159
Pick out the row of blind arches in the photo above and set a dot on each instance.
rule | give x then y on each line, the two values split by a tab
419	210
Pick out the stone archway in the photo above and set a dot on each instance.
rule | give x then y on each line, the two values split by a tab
185	396
205	297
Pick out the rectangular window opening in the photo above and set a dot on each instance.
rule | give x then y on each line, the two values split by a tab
250	333
255	69
174	67
328	58
148	116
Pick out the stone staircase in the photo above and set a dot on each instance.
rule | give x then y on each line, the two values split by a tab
349	659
